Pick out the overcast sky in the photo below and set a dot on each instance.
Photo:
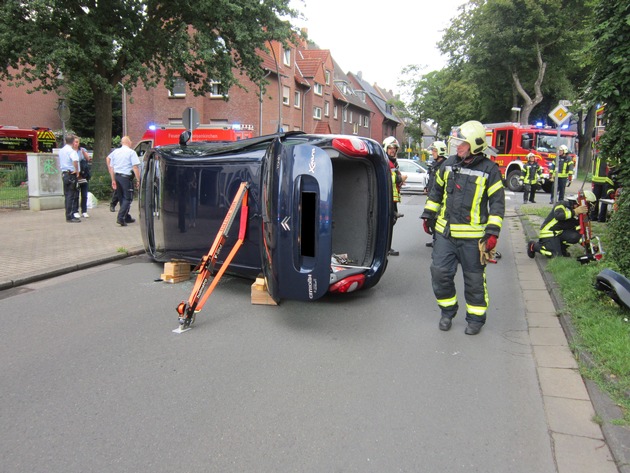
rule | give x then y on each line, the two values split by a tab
377	41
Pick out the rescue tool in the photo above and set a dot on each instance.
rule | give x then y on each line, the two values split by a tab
590	242
187	310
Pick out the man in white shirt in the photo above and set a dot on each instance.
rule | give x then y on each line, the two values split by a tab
69	165
123	164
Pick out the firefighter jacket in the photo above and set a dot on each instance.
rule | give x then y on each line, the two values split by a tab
601	171
396	179
531	173
565	166
468	199
433	170
562	217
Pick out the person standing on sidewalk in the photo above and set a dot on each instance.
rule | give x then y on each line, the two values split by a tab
69	165
438	150
123	163
530	174
466	208
603	188
83	183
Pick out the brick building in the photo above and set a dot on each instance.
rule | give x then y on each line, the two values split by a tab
27	110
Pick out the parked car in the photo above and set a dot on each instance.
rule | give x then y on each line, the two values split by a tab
417	175
319	206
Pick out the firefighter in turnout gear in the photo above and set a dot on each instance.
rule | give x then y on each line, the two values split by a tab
465	208
391	146
439	152
565	171
561	228
603	188
530	175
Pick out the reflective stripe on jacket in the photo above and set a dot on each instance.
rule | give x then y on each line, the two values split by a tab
566	167
467	200
600	172
531	173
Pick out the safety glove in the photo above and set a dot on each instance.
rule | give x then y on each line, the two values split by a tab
429	225
487	249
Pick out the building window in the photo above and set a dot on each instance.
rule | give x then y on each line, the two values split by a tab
345	115
319	89
366	121
326	109
350	117
179	88
317	113
355	129
297	99
335	109
285	94
327	74
216	89
286	57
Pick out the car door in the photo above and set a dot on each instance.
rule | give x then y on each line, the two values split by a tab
296	221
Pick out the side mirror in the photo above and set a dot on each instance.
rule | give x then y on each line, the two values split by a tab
184	138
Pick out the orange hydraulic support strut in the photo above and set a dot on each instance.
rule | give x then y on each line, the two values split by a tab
201	291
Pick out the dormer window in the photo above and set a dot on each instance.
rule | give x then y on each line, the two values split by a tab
319	89
286	57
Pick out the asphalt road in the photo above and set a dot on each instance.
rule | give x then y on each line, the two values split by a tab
94	380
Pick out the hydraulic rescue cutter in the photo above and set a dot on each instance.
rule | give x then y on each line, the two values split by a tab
590	242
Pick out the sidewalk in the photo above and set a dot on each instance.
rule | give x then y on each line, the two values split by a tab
39	245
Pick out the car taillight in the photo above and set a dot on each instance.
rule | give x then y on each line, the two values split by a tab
349	284
350	146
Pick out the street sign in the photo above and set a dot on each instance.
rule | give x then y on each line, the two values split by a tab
190	118
560	114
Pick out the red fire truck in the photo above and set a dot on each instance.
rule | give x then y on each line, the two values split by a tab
512	142
159	135
16	142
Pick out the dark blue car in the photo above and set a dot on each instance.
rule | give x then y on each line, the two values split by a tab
319	209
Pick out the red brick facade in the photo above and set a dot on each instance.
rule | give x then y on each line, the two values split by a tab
24	110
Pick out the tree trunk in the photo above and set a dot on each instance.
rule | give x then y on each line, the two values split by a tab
102	129
585	137
528	102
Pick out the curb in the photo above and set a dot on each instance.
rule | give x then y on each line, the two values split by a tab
51	273
617	437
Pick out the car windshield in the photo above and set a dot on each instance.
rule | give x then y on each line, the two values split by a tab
550	143
409	166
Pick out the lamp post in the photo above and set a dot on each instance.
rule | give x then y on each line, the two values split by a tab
124	109
518	113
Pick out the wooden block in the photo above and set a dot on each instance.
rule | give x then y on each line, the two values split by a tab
260	295
177	268
169	278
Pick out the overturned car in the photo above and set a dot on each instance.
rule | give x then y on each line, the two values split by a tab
319	209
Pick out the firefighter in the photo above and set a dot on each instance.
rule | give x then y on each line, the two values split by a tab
465	208
564	175
603	188
530	175
391	146
561	228
438	150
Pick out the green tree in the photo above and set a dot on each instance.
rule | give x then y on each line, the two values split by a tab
610	85
515	50
50	44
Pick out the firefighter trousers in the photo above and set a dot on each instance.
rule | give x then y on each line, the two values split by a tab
447	254
558	245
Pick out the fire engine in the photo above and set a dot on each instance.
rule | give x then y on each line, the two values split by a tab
512	142
159	135
16	142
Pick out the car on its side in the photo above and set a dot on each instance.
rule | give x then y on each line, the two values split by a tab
417	176
320	217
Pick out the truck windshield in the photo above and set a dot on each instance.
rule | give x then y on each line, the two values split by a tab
550	143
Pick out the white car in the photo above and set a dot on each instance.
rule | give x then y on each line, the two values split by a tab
417	175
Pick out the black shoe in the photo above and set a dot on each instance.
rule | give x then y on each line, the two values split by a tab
112	208
429	245
473	328
121	223
533	201
531	251
393	253
73	220
129	219
445	323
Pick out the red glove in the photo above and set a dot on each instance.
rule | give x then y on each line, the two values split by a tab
428	225
491	242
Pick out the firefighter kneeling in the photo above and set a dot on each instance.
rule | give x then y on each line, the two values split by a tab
561	228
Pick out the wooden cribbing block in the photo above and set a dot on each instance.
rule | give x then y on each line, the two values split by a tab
260	295
176	271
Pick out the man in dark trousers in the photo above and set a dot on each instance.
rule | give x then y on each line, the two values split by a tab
530	174
123	164
561	228
465	208
439	151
